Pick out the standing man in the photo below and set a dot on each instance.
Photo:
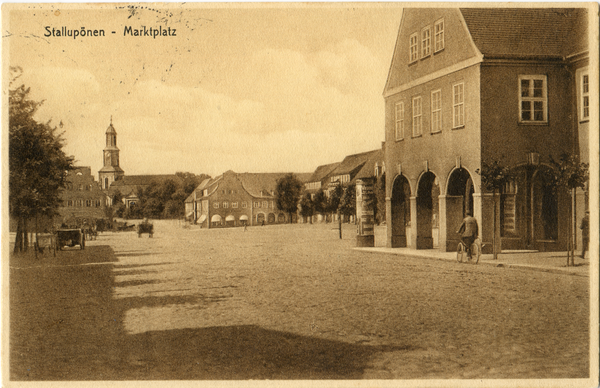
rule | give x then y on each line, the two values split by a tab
468	231
585	233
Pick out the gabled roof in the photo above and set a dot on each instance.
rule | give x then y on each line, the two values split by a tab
352	163
527	32
143	180
368	169
262	184
322	172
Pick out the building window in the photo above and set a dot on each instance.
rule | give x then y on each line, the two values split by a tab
438	30
225	205
417	112
436	111
533	99
585	97
458	105
271	204
265	204
97	203
234	205
414	47
425	42
244	205
216	205
256	204
399	121
88	203
70	203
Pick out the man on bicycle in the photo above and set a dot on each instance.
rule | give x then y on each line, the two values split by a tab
469	232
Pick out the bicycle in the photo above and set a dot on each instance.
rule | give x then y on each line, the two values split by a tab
461	252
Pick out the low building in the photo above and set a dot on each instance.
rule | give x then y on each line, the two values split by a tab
128	185
83	201
237	199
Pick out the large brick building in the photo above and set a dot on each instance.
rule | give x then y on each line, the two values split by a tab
473	86
83	201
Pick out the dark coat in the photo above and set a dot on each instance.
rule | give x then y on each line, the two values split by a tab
469	227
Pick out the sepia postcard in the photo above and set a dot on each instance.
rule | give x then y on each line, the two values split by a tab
334	194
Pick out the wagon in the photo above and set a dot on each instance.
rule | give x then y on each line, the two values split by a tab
145	227
70	238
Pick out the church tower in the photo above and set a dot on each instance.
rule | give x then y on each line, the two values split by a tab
111	171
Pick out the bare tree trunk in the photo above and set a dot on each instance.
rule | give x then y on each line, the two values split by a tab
19	236
340	224
25	235
573	225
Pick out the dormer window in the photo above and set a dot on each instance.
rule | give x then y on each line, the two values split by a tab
438	30
414	47
426	42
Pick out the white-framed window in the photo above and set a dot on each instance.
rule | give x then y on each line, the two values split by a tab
234	205
225	205
414	47
265	204
533	99
585	96
256	204
426	42
399	120
244	205
436	111
216	205
458	105
70	203
271	204
417	116
438	31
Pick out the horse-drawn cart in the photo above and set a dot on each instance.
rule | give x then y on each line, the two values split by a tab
145	227
70	238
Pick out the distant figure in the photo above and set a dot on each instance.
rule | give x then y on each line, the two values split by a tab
585	233
263	223
469	231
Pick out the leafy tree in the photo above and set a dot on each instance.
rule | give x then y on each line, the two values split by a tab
287	194
348	201
333	202
570	174
306	207
493	178
320	202
379	199
37	163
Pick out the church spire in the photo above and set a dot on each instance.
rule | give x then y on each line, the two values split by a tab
111	171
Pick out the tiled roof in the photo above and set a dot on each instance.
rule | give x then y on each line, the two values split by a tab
351	163
540	32
143	180
255	183
322	171
368	169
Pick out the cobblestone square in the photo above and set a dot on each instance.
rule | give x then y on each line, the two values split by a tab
285	302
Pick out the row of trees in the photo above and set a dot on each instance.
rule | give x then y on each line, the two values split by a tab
164	199
37	164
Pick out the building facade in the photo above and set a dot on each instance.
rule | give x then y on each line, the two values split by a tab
469	87
83	201
237	199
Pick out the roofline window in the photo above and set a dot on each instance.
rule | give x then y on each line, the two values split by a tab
438	31
414	47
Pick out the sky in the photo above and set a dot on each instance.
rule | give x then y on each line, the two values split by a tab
249	88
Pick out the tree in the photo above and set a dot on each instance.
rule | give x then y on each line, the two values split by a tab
320	202
493	178
287	194
348	201
570	174
333	204
306	207
379	200
37	164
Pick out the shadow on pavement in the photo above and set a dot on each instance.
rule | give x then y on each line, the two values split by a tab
66	324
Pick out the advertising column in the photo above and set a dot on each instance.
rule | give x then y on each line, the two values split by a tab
365	213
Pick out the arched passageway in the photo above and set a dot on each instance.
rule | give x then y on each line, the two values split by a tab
400	206
459	200
428	211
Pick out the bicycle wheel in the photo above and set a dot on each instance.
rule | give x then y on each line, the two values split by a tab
460	252
475	252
